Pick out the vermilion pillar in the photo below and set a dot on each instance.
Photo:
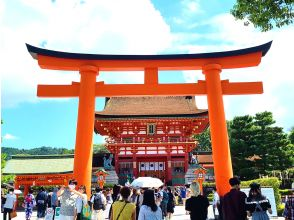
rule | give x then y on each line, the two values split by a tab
85	127
218	128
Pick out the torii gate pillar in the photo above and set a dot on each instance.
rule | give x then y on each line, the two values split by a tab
218	128
85	127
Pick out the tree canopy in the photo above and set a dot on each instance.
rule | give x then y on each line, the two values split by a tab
265	14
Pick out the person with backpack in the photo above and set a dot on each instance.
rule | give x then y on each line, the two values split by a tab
123	209
29	203
170	209
164	201
41	199
98	202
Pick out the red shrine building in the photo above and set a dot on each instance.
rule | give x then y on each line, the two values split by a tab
151	136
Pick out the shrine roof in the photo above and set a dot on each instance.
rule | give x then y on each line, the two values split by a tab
39	164
150	106
35	51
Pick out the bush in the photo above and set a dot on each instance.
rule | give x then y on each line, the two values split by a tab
267	182
280	209
285	192
210	197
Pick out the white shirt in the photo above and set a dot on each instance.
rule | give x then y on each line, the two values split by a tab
79	203
147	214
10	200
215	198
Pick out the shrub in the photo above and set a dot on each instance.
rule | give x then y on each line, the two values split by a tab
280	209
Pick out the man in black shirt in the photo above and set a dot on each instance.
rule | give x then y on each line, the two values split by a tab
197	205
234	202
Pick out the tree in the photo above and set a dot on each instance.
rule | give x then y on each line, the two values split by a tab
257	146
265	14
5	178
204	142
291	136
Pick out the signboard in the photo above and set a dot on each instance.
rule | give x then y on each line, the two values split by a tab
269	194
57	213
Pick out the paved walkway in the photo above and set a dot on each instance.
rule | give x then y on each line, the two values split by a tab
178	215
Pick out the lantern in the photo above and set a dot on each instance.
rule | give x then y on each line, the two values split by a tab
101	174
200	176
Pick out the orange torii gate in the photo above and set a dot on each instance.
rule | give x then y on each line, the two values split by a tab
87	89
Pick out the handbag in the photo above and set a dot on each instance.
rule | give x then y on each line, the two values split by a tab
13	214
86	213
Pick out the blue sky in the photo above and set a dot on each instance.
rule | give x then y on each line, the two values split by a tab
127	27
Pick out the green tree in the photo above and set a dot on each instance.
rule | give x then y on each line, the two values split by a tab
265	14
291	136
257	146
5	178
204	142
99	149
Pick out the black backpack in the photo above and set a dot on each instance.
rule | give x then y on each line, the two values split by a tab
98	204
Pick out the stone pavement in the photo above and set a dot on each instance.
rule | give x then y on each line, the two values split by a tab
178	215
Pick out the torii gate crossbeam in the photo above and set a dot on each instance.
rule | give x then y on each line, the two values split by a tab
87	89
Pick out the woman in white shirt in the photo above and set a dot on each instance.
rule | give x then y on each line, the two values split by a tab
80	202
10	203
149	210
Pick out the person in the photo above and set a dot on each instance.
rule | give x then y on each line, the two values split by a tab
108	202
123	209
233	205
115	195
183	194
68	196
256	204
135	198
215	203
80	202
170	204
197	205
41	200
289	208
98	202
10	204
177	193
54	200
149	210
164	201
29	203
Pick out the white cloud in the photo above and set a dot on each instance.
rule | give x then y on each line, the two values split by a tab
110	27
275	70
9	137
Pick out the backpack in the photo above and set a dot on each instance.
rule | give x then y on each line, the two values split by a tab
98	204
165	197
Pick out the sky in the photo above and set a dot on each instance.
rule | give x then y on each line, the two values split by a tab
127	27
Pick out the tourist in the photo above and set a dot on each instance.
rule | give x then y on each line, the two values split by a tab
41	200
123	209
215	203
115	195
164	200
149	210
183	194
256	204
68	196
289	208
158	197
233	206
177	193
54	200
135	198
197	204
170	204
29	203
108	202
98	201
80	202
10	204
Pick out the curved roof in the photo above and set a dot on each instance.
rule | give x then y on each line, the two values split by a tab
34	51
150	106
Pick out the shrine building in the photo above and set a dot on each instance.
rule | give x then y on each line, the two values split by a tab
151	136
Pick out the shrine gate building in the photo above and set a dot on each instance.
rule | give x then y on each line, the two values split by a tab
151	136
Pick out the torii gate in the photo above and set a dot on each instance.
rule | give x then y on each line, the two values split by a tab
87	89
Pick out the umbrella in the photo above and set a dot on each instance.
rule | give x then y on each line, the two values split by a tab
146	182
17	191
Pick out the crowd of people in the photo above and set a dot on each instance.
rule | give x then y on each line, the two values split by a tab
126	203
